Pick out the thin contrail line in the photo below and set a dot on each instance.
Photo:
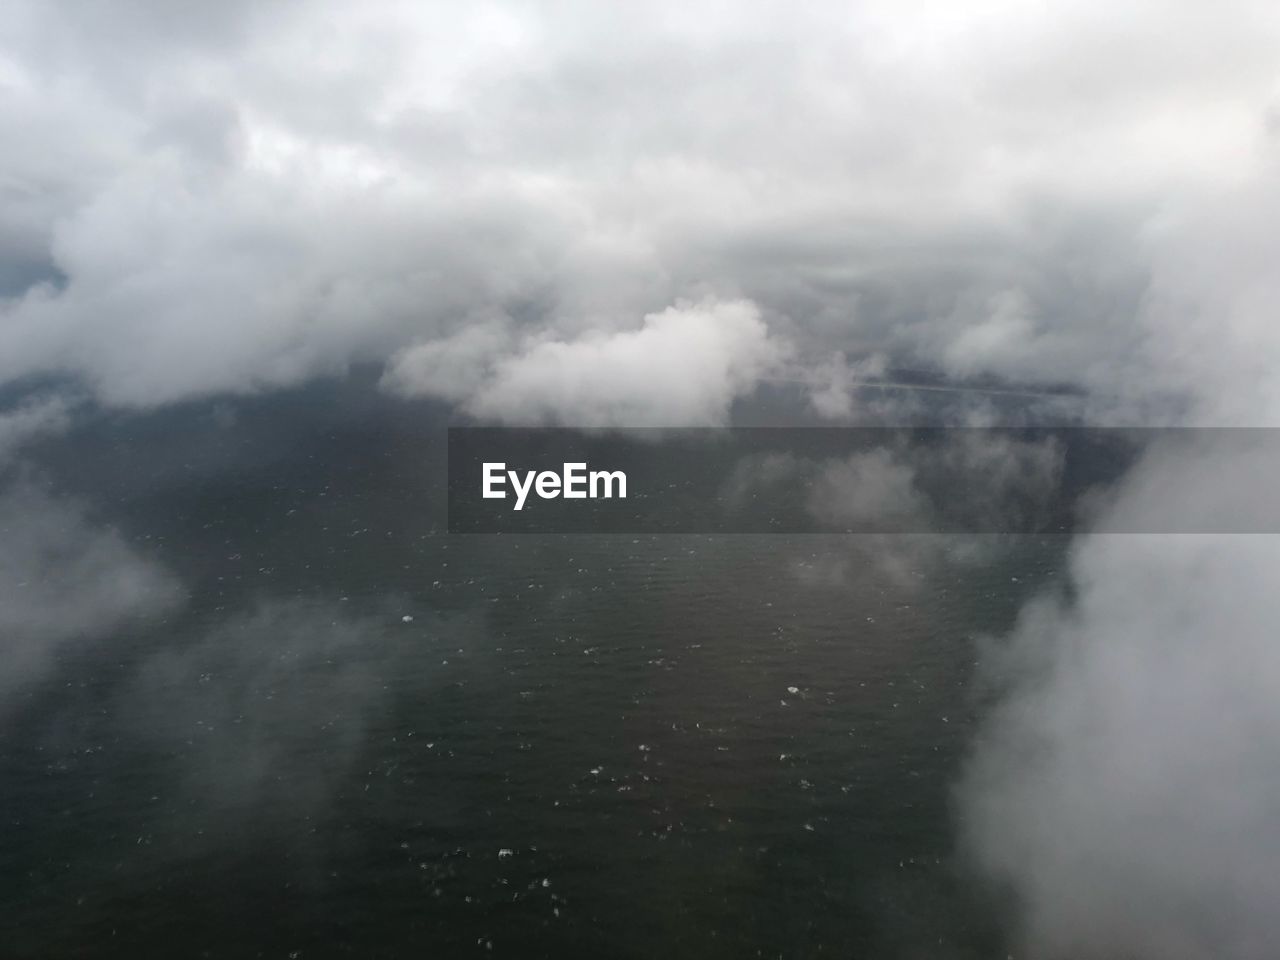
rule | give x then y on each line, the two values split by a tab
900	385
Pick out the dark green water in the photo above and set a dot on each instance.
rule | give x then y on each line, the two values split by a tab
576	746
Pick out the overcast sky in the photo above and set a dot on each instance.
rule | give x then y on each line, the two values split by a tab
201	197
596	214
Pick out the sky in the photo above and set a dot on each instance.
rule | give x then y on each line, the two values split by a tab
208	199
637	215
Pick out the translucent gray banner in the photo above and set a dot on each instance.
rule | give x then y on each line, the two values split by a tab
863	480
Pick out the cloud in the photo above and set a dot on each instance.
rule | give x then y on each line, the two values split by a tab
452	368
202	202
867	488
1209	310
964	480
252	703
684	366
832	393
34	417
1002	337
65	581
1124	788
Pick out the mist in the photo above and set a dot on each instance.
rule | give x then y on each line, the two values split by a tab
1125	791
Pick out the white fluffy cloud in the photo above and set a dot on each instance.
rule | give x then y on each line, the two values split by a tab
684	366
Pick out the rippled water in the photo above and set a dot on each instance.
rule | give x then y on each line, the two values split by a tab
361	737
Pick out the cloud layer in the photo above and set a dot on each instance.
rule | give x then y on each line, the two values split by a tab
204	201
